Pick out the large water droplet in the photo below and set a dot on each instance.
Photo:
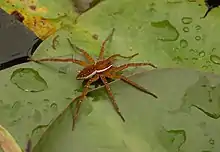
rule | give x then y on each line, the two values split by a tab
172	140
183	43
28	80
166	30
186	20
37	116
215	59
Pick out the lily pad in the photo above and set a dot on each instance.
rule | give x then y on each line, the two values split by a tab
151	124
180	116
168	33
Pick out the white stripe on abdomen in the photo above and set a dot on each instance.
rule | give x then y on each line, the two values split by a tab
99	71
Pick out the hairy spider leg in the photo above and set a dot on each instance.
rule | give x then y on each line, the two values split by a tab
79	62
126	80
208	10
107	87
81	98
111	58
101	54
85	54
125	66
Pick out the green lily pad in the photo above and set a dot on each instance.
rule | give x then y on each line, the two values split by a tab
168	33
151	124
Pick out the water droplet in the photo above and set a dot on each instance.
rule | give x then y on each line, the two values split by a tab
28	80
197	38
95	36
54	106
215	59
212	141
152	10
205	67
152	4
183	43
194	51
186	20
29	103
172	140
202	53
185	29
178	59
176	49
198	27
213	49
194	59
37	116
166	31
46	100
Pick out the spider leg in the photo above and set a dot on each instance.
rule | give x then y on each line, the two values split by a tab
81	97
126	80
125	66
79	62
107	87
101	54
111	58
86	55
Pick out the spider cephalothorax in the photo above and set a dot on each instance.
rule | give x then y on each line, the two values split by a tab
102	69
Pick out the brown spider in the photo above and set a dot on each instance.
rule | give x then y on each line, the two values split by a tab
100	69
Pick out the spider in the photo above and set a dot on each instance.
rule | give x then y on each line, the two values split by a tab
101	69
